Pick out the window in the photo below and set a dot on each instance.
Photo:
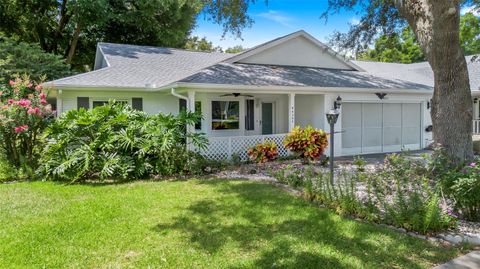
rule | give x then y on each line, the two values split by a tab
249	117
225	115
198	109
96	103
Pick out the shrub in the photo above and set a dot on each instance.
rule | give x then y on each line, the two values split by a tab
263	152
308	142
465	191
24	114
114	141
399	193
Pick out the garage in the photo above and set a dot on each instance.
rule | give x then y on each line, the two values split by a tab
386	127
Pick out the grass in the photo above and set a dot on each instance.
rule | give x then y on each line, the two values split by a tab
191	224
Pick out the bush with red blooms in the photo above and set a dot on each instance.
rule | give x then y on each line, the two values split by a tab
263	152
309	143
24	114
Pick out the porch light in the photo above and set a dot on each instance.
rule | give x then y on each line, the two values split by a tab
332	117
338	103
475	100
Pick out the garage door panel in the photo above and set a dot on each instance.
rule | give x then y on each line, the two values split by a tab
387	127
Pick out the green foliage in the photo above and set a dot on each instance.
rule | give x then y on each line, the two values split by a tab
201	44
235	49
470	33
24	114
309	143
19	58
72	28
399	48
117	142
399	193
263	152
404	48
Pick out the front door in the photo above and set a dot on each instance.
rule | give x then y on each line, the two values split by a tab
267	118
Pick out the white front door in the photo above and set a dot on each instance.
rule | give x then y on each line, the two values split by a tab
372	127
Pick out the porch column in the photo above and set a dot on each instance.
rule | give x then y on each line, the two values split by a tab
291	111
59	103
191	108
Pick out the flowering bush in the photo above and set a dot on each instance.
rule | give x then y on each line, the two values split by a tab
465	191
24	114
308	142
263	152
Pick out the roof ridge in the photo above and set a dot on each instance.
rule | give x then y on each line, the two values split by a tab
157	47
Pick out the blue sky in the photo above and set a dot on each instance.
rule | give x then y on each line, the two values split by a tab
278	18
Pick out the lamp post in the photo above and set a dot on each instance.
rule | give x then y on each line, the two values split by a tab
332	117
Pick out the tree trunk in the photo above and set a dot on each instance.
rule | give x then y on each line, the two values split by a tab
73	45
436	25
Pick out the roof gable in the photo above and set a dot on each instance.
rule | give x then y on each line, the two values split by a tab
296	49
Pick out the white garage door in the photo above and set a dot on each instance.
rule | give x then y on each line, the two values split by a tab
371	128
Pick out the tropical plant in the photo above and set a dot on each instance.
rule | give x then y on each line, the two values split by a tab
309	143
263	152
117	142
24	114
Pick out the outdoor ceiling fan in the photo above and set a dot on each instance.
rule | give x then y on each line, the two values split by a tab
236	94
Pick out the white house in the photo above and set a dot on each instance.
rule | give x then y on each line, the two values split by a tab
263	92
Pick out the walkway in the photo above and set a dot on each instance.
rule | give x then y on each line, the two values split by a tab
469	261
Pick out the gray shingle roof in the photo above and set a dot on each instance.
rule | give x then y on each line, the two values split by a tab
266	75
418	72
138	66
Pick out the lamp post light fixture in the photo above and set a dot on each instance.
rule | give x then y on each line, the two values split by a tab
338	103
332	117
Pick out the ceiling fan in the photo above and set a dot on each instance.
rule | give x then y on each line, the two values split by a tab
236	94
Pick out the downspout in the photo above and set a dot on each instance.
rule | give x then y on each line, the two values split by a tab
174	93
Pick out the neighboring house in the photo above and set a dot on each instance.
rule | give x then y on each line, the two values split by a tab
264	92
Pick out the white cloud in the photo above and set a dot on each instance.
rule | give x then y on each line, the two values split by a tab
277	17
354	21
471	9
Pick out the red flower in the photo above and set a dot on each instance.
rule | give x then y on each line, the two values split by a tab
24	102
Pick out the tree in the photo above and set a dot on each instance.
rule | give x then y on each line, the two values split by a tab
71	28
397	48
469	34
19	58
201	44
404	48
436	25
235	49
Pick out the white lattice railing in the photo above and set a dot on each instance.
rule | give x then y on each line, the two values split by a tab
476	126
223	148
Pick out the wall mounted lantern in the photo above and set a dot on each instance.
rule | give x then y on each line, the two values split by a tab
338	103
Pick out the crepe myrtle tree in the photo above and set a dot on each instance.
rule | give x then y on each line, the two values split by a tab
24	114
436	25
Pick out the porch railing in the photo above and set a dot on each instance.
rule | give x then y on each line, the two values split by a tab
224	148
476	126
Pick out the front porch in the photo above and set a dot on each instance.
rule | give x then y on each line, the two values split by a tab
234	122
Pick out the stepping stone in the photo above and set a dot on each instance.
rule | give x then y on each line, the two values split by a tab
469	261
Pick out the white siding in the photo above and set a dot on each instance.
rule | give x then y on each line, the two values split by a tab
297	52
309	110
152	102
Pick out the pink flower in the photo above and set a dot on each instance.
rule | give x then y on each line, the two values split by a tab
35	111
1	92
20	129
473	164
38	87
24	102
10	101
42	95
43	102
12	83
29	85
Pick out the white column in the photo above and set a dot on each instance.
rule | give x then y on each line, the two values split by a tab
191	101
59	103
291	111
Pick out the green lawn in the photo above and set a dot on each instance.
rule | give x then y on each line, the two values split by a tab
190	224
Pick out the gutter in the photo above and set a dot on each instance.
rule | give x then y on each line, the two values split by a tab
174	93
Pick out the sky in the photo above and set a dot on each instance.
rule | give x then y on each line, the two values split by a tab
278	18
282	17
